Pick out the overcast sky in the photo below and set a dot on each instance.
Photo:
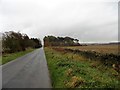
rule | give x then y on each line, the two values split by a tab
86	20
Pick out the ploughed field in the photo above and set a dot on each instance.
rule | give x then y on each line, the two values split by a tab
80	67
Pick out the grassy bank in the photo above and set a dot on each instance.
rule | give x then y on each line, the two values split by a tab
69	70
0	59
12	56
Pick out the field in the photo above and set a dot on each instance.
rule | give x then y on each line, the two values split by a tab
98	48
71	70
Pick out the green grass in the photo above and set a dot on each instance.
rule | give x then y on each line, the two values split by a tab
68	70
0	59
12	56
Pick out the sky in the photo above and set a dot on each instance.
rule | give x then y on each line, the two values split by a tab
86	20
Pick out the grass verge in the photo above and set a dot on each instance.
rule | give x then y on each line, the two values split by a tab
0	59
12	56
69	70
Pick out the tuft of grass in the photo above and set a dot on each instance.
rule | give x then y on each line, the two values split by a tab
12	56
75	82
69	70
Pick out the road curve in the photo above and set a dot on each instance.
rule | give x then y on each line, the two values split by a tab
28	71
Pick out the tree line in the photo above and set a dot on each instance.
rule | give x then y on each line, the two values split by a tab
16	41
60	41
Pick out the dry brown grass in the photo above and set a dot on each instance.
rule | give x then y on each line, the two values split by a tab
98	48
75	82
69	72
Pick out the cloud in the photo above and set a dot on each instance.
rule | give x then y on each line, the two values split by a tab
82	19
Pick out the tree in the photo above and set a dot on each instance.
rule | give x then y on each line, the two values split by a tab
60	41
11	41
76	41
37	42
15	41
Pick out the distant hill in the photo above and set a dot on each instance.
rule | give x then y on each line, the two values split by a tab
114	43
110	43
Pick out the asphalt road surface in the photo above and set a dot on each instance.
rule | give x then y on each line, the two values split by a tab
28	71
